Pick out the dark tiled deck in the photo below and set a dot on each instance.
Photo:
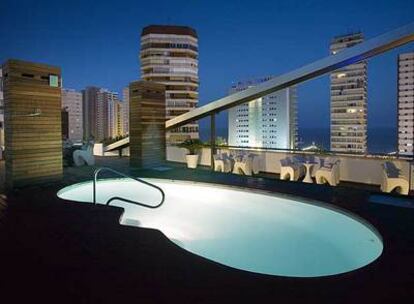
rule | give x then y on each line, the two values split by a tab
62	252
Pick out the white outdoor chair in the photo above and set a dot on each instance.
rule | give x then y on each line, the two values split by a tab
393	180
299	160
81	157
317	164
328	172
243	165
222	163
327	162
291	170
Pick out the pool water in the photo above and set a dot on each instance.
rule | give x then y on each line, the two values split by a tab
253	231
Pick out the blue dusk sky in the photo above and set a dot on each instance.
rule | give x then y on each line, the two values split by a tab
97	43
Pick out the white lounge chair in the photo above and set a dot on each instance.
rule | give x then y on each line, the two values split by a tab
222	163
393	180
243	165
328	172
299	160
290	169
81	157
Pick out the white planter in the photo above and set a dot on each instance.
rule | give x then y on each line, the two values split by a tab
192	160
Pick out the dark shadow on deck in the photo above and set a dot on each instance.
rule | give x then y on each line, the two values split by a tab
53	251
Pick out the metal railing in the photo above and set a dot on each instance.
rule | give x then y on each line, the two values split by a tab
95	179
322	151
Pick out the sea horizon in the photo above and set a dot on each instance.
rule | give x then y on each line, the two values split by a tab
380	139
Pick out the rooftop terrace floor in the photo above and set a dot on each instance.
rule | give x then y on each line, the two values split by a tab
64	252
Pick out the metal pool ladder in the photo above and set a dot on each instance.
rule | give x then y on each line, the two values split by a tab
95	179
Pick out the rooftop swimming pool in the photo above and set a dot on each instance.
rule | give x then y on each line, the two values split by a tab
243	228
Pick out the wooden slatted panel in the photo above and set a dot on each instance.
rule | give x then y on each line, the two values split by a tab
33	143
147	124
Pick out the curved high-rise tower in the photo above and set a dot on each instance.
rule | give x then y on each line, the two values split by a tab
349	97
169	55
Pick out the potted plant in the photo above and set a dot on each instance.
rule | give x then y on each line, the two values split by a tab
193	146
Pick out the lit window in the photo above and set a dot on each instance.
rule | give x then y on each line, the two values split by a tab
53	81
351	110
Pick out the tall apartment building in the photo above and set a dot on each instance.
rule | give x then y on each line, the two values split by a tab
169	55
125	111
99	116
89	106
348	100
105	114
120	113
72	103
406	103
268	122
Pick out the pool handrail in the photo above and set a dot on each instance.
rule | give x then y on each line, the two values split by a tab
95	179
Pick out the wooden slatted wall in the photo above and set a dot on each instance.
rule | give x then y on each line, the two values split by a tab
33	137
147	124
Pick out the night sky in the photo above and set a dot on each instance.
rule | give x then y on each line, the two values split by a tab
97	43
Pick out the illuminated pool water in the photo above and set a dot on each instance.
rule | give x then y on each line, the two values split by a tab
258	232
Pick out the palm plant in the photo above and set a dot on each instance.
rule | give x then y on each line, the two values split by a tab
192	145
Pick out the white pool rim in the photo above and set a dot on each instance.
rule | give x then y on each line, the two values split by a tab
241	189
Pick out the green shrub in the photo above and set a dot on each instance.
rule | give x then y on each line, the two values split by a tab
192	145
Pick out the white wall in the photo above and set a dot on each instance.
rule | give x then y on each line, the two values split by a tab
98	150
178	155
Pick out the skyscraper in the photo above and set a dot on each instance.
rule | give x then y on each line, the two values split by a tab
105	113
89	105
169	55
99	112
119	116
269	122
72	103
406	103
125	111
348	100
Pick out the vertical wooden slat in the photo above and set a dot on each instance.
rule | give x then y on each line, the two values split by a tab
33	134
147	123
